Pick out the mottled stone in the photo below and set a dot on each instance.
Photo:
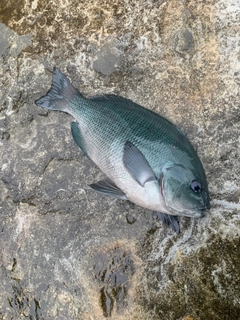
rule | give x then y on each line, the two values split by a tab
12	44
108	58
68	253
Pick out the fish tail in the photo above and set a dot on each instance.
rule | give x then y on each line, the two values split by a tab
60	94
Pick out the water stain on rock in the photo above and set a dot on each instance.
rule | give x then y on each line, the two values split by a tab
186	31
108	58
22	304
114	269
11	44
202	283
184	41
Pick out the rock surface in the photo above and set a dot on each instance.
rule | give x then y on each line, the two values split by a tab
68	253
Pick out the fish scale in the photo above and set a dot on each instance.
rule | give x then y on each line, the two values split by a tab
146	158
117	125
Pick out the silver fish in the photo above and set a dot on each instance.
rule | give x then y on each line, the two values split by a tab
146	158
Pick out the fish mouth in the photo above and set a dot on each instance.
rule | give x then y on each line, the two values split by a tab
190	213
202	209
206	207
193	214
197	213
202	214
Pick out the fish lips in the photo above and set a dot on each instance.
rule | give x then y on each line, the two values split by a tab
197	212
202	209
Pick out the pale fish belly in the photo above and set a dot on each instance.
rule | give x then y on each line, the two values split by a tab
148	196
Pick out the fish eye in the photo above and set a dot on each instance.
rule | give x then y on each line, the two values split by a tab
196	186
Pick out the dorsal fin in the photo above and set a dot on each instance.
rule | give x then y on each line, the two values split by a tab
110	98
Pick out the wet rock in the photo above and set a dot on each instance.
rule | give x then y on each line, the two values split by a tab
114	268
184	41
108	58
130	218
11	44
68	253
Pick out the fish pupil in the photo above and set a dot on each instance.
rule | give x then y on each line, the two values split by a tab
196	186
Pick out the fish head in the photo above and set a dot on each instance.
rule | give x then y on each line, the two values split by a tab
184	191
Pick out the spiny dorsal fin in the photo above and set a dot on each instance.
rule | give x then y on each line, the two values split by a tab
110	98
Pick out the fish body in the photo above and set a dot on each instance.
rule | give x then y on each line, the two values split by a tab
146	158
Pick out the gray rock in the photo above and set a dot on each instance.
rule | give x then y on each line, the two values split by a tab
69	253
11	43
108	58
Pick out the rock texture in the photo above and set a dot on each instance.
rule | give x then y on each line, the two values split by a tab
68	253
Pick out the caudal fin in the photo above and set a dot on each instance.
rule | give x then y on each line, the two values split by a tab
60	93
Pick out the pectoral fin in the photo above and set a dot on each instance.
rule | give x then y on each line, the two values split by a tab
108	188
169	220
137	165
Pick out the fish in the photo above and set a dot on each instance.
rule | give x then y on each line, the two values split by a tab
146	158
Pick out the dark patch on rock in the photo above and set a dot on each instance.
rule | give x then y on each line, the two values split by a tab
113	268
204	294
184	41
130	218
